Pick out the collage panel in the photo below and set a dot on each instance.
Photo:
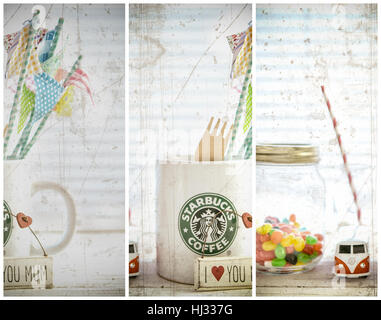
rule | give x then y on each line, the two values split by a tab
190	132
63	147
316	102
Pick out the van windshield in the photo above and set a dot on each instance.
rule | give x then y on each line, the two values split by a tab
345	249
132	249
359	248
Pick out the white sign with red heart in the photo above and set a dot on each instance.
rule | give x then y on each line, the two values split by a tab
223	273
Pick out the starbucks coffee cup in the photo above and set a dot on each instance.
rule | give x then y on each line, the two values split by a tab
198	203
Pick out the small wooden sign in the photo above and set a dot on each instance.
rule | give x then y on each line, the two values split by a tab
223	273
28	273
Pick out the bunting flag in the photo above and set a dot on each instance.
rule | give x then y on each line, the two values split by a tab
16	61
51	65
241	63
235	40
46	45
48	91
77	78
63	107
27	103
249	109
11	40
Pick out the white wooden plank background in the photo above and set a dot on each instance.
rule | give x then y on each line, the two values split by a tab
298	49
179	77
84	153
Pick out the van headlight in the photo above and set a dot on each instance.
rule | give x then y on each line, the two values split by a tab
363	265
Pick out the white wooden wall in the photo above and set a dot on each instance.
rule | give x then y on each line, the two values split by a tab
298	49
179	77
86	152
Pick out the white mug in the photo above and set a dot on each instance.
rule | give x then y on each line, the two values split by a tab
19	188
190	194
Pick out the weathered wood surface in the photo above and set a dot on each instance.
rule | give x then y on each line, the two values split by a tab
93	264
223	273
318	282
149	283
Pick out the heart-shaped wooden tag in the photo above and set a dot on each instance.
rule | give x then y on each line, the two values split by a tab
23	220
247	220
218	272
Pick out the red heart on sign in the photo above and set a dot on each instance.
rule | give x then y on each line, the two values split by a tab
247	220
218	272
23	220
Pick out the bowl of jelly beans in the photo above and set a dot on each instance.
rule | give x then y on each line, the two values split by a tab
287	247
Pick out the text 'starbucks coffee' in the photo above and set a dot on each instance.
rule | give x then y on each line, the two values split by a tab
198	203
208	224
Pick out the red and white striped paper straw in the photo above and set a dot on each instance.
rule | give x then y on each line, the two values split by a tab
343	155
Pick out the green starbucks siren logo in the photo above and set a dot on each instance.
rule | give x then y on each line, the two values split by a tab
7	222
208	223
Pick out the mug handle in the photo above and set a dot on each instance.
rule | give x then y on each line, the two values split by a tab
70	211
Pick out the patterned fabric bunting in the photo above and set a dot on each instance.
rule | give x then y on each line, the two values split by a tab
51	65
249	109
46	44
235	39
27	103
63	107
241	62
16	60
48	91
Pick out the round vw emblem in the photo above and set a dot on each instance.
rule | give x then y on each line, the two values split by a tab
208	223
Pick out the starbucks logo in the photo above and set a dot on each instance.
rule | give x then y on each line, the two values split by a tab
7	223
208	223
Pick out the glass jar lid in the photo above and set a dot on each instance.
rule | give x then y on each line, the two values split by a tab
287	153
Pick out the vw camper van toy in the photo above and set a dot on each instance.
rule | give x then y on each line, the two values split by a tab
352	259
133	265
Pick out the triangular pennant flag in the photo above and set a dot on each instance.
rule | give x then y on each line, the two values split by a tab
51	65
48	91
27	103
46	44
249	109
63	107
242	62
17	60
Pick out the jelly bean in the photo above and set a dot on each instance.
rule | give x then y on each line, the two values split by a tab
311	240
314	255
303	229
268	246
271	232
272	220
309	249
268	264
280	252
287	241
290	249
297	225
276	236
319	236
299	263
264	255
303	257
287	229
318	246
264	237
285	220
299	244
291	258
292	218
278	262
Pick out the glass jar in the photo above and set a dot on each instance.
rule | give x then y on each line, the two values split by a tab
290	208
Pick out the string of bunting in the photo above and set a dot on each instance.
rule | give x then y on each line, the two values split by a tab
42	86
